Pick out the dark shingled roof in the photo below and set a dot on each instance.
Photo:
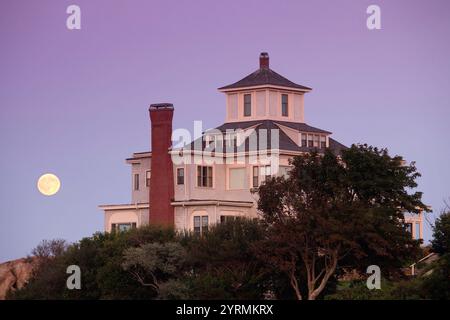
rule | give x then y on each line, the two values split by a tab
294	125
285	142
264	76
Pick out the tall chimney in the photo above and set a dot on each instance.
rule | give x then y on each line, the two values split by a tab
161	211
264	60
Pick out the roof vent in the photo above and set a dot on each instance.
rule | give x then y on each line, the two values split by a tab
264	60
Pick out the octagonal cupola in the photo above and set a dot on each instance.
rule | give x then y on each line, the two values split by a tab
264	95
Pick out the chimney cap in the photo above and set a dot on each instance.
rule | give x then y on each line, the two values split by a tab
158	106
264	60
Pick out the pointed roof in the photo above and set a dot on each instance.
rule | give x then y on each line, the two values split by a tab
264	76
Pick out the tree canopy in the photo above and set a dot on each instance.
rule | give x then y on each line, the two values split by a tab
335	210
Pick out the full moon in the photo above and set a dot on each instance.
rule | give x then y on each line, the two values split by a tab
48	184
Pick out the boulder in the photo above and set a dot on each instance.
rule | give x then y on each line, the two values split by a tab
15	274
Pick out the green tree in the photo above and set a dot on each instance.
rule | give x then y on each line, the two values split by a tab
48	273
436	282
158	265
333	209
441	234
100	259
48	249
224	263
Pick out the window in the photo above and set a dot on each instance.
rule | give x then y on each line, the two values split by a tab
284	105
247	105
136	181
204	176
123	226
147	178
260	174
231	139
316	141
209	139
417	230
265	171
236	178
204	223
310	141
180	176
283	171
323	141
210	142
197	226
120	227
200	224
304	140
227	218
255	183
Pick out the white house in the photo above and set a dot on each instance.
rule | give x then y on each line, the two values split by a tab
210	180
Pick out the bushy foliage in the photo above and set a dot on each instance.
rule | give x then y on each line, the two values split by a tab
100	259
432	283
49	248
158	266
224	263
339	210
155	263
441	234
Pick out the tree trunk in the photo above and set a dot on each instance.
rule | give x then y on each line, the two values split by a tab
313	294
294	285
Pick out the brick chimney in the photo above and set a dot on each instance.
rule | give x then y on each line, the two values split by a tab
264	60
161	182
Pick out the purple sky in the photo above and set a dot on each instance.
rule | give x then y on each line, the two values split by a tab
75	103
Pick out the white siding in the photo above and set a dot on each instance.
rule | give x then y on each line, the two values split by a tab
233	106
273	103
260	103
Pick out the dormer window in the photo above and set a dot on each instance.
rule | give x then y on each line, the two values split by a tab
323	141
247	105
316	141
210	141
310	141
231	139
304	140
284	105
313	140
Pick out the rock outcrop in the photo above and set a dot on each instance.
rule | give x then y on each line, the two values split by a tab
15	274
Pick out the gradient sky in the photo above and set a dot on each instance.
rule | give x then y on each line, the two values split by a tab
75	103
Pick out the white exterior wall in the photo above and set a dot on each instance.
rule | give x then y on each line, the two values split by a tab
266	104
125	214
220	189
140	166
209	201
